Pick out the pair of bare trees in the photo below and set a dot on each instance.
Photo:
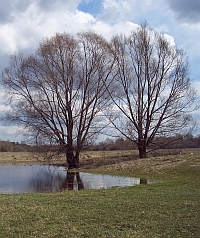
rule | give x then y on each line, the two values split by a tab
64	92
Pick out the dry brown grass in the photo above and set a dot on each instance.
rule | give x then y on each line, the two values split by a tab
12	157
155	165
25	157
88	157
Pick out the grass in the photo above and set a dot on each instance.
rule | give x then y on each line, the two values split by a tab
94	157
170	208
25	157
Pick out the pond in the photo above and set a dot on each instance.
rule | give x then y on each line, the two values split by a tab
35	178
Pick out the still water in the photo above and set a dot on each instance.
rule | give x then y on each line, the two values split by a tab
45	178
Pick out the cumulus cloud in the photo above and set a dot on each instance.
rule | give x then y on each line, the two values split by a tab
49	5
30	26
11	7
123	10
5	14
28	21
33	23
188	11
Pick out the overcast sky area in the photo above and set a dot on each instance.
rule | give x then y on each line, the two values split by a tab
24	23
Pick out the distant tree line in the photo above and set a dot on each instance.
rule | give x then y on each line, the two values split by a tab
8	146
179	142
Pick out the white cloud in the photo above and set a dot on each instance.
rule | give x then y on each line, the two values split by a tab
170	39
7	39
30	26
124	10
11	133
3	108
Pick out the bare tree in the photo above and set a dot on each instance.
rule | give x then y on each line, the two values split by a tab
58	93
153	96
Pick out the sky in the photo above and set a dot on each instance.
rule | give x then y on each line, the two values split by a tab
24	23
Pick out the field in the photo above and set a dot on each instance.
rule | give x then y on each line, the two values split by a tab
169	208
88	156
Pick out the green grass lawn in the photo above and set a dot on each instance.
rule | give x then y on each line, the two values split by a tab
170	208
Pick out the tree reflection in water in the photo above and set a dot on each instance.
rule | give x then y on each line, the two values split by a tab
52	180
73	181
143	181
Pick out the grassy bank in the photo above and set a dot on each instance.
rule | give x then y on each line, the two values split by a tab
167	209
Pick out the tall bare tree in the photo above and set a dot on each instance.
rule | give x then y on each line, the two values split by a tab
153	96
58	93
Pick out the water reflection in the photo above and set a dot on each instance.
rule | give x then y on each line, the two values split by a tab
73	181
143	181
47	179
44	178
54	180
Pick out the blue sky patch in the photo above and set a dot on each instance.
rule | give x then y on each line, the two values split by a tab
94	7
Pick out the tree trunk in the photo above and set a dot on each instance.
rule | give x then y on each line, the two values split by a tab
72	160
76	157
142	151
